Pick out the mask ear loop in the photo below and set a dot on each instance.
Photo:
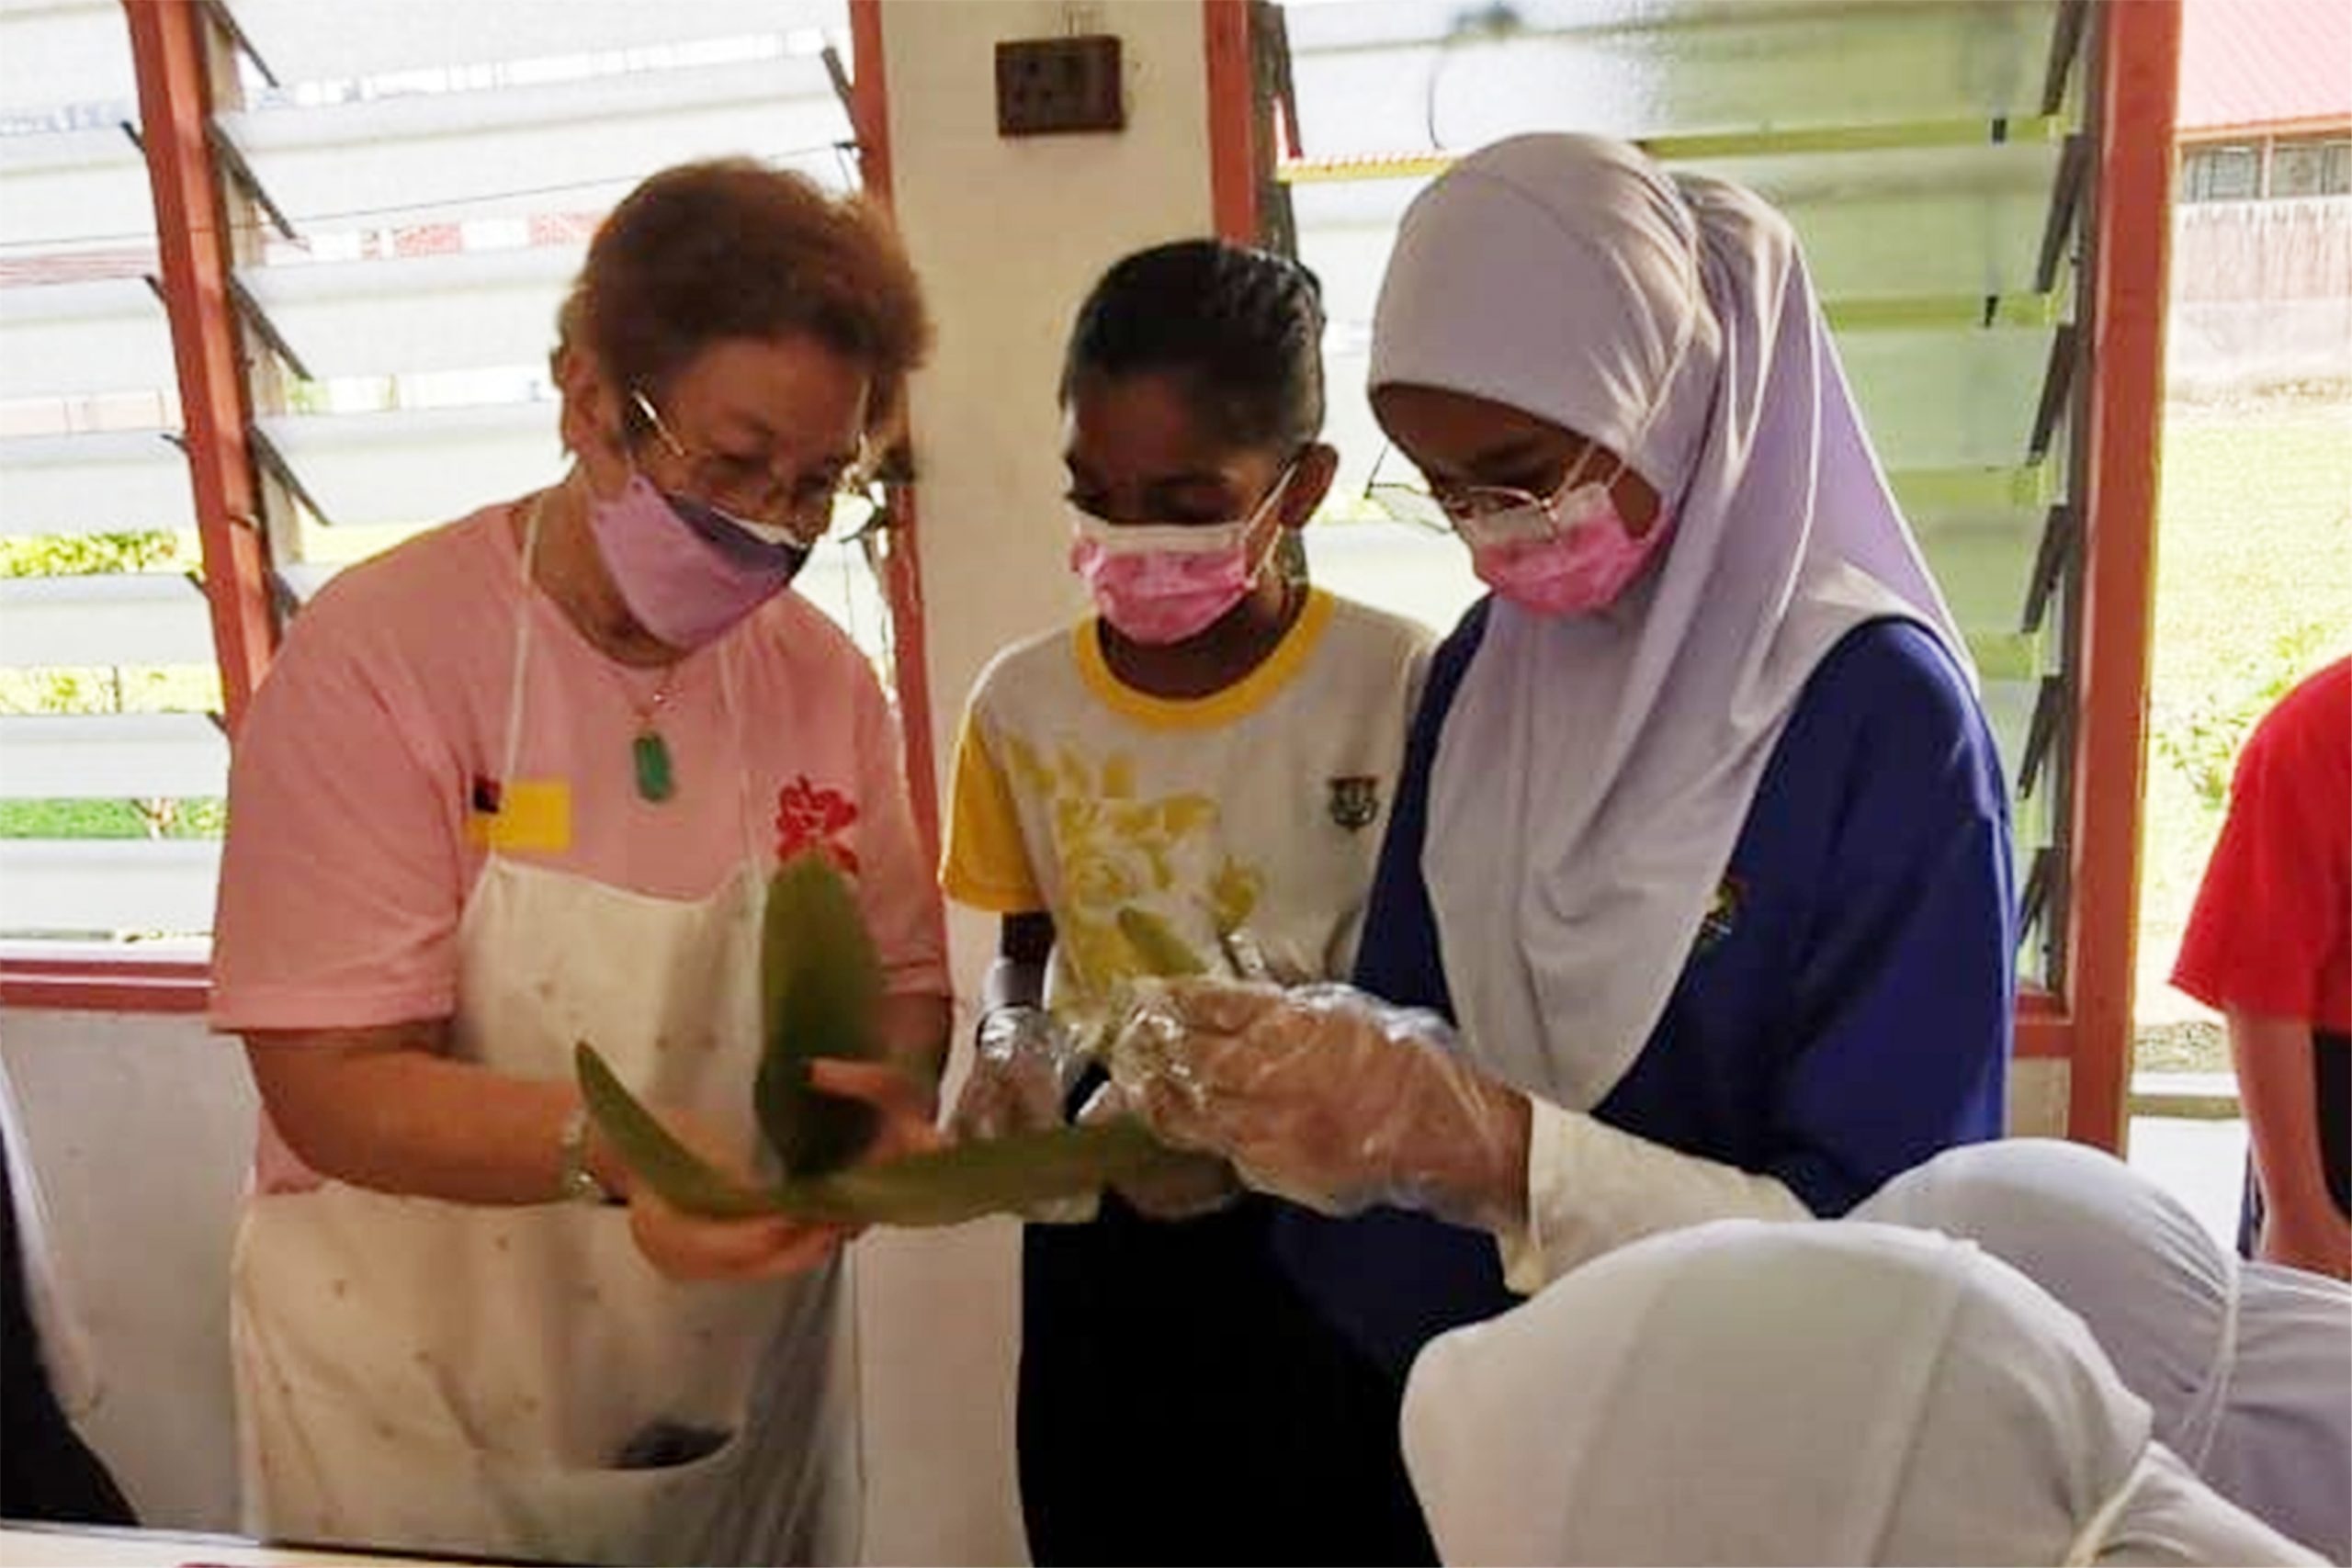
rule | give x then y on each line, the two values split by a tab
1275	543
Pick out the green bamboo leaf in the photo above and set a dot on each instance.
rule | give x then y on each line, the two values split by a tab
942	1187
820	993
966	1181
683	1178
1160	950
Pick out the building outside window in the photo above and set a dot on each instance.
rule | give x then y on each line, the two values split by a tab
2226	171
2311	166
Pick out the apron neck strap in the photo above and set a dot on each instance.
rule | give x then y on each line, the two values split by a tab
521	660
746	818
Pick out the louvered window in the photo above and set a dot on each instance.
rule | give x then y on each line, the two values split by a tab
409	189
111	767
1933	160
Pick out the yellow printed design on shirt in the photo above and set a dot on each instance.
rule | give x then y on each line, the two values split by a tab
1116	850
526	815
985	861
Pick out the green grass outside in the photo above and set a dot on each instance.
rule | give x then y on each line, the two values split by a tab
2254	590
198	818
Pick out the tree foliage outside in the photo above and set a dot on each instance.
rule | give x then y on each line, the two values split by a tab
107	690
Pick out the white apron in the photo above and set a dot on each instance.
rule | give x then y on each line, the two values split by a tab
518	1382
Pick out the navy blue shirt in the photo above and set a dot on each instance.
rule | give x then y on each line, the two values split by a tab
1844	1012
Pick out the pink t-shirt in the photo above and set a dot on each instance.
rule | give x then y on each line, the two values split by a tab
358	797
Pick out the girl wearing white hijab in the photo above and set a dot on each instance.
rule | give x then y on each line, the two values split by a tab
2248	1368
1701	841
1744	1392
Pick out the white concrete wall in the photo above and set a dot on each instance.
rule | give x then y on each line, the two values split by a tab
1007	236
2261	296
136	1133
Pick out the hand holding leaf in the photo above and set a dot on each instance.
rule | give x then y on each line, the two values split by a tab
844	1126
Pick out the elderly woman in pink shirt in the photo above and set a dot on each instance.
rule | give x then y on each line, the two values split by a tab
518	783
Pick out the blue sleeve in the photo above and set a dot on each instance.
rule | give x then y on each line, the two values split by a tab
1905	981
1855	1022
1390	1280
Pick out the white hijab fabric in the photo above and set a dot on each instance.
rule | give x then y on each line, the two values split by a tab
1756	1392
2248	1368
1594	772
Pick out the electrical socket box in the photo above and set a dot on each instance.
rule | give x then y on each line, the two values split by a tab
1052	85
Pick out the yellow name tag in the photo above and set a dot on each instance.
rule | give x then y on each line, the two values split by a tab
531	814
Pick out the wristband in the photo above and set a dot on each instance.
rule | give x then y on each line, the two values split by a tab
578	1182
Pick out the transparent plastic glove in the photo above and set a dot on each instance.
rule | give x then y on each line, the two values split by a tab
1326	1095
1023	1065
1187	1188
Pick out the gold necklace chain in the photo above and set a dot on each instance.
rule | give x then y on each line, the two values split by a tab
652	765
663	691
654	769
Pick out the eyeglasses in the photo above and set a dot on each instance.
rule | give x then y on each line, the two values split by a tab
1460	508
809	508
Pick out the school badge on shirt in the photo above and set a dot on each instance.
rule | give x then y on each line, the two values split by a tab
1722	916
1355	801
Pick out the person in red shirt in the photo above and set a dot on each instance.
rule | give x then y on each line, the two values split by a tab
2270	943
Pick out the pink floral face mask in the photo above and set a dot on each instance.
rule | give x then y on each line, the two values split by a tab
1566	553
1163	583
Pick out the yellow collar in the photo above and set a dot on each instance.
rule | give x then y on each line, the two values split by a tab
1244	697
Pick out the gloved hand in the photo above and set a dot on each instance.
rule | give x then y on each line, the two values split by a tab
1023	1065
1326	1095
1184	1187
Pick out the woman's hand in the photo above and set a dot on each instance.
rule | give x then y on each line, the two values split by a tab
692	1247
1327	1097
904	1105
688	1247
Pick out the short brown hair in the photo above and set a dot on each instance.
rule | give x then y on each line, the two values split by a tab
707	251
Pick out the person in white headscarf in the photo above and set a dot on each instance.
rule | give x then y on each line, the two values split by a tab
1700	867
1747	1392
2248	1366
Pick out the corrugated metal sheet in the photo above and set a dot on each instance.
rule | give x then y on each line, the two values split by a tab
2263	62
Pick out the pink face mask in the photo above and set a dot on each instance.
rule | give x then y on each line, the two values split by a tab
687	572
1571	555
1160	583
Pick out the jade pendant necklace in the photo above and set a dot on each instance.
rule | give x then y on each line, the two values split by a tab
657	779
650	761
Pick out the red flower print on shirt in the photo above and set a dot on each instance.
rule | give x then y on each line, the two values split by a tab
810	818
